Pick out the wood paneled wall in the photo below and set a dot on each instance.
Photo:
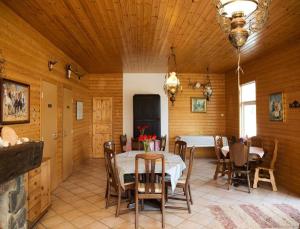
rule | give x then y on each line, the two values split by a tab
278	71
183	122
27	54
109	85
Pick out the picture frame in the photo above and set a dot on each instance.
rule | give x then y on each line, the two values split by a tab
198	105
79	110
276	108
15	102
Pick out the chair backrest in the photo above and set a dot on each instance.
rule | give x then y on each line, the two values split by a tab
231	140
239	153
218	146
111	167
180	149
163	143
150	160
109	145
123	142
274	156
256	141
190	166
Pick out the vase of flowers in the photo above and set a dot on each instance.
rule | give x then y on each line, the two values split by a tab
146	139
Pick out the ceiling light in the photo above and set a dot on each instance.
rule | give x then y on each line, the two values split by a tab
172	83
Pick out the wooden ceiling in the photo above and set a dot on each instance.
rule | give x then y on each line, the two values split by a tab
107	36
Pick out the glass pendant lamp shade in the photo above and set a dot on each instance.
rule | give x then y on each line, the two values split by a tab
230	7
172	81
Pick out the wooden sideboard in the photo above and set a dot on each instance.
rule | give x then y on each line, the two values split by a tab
38	192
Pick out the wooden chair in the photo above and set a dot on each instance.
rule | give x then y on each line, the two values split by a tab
223	163
150	188
239	157
163	142
180	149
113	179
256	142
109	145
184	183
268	175
123	142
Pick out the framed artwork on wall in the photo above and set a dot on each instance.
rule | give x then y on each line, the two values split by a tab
276	109
15	102
79	110
198	105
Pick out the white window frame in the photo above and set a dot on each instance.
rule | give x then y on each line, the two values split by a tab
242	104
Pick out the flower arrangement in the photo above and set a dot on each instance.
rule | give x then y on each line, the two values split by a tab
146	139
142	129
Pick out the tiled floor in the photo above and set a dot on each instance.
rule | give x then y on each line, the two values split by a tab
79	203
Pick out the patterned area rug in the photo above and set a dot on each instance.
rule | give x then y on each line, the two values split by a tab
252	216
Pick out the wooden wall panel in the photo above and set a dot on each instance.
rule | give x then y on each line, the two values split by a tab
278	71
27	54
109	85
183	122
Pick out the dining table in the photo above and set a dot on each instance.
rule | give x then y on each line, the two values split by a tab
253	151
174	165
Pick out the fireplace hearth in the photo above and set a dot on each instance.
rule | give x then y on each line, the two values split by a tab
15	161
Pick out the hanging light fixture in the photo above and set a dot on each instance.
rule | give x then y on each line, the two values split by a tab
207	87
172	83
240	18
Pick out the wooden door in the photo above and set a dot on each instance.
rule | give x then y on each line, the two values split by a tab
102	124
49	127
67	133
45	185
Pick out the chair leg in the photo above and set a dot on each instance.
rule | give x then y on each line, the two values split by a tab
106	191
187	199
256	177
248	179
272	178
229	179
163	211
217	170
136	211
119	202
190	193
166	193
142	204
108	196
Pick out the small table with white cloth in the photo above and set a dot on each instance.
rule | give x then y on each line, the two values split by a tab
253	151
174	165
200	141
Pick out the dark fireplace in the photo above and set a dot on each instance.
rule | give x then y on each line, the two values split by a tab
14	162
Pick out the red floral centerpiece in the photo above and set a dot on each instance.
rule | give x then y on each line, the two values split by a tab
142	129
146	139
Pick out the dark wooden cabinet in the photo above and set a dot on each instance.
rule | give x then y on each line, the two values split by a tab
146	111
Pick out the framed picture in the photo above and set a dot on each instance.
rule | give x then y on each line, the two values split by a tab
79	110
198	105
15	102
276	110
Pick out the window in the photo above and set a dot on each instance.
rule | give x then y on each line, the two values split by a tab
248	110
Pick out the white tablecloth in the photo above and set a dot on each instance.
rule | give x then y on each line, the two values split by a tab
201	140
253	150
198	141
174	165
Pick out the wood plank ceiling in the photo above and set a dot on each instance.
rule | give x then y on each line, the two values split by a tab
107	36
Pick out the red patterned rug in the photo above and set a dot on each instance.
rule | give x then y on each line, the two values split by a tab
252	216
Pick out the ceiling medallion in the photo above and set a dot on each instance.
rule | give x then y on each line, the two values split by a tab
172	83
